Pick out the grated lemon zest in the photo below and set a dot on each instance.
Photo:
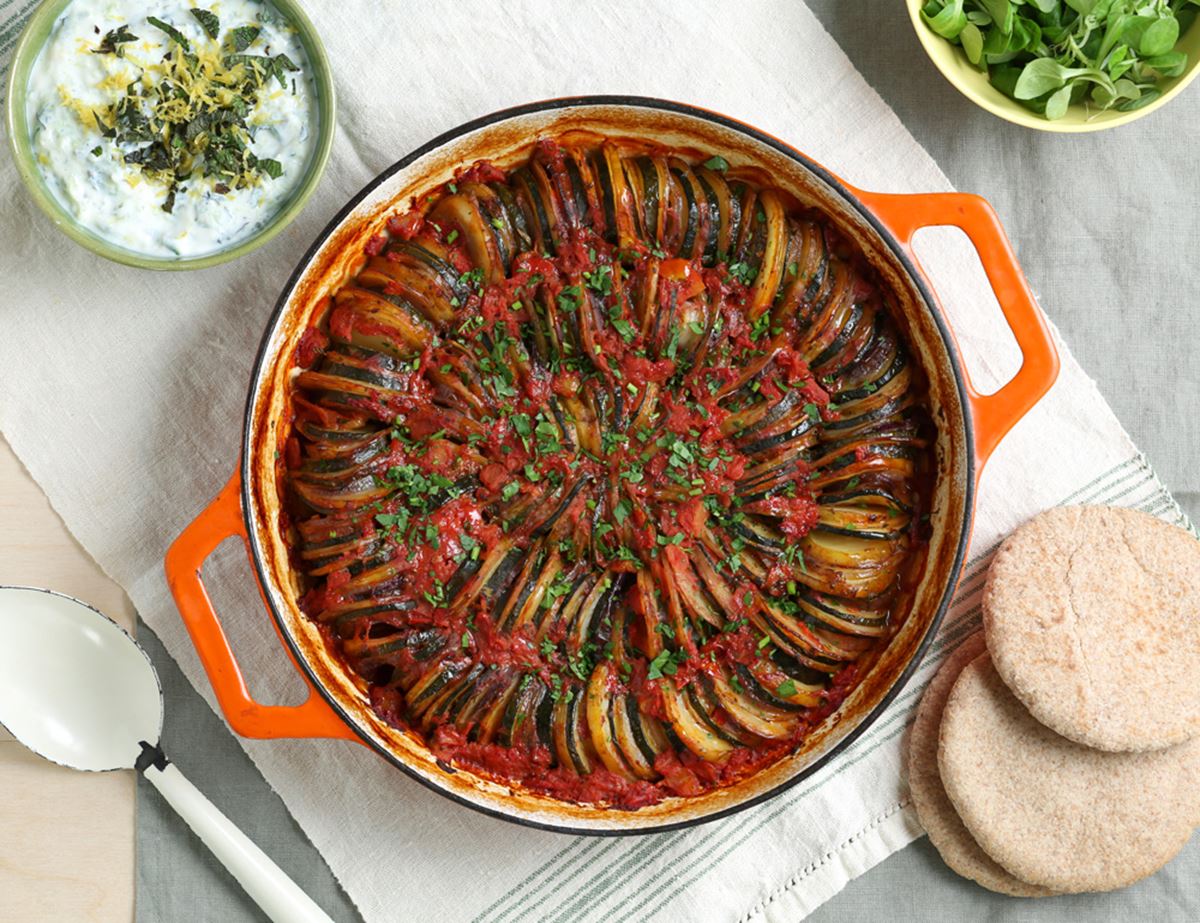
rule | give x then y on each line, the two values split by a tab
85	113
116	81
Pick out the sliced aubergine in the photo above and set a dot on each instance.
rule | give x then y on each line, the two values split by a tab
606	469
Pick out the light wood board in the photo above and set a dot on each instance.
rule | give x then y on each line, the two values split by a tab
66	837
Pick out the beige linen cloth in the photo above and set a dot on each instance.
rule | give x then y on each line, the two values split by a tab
122	391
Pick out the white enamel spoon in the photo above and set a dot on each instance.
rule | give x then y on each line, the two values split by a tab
76	689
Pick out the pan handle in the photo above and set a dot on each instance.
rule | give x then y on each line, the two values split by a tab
221	519
995	414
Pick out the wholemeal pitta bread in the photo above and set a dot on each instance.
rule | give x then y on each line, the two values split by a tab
1051	811
937	815
1092	616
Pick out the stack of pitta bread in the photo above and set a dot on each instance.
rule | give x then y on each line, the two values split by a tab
1058	751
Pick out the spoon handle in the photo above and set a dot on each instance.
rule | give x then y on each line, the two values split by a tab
280	898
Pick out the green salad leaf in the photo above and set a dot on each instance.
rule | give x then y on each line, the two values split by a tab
947	20
1052	54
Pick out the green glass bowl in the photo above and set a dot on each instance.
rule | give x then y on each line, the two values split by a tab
33	38
973	83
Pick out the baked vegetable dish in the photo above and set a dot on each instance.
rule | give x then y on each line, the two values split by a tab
607	472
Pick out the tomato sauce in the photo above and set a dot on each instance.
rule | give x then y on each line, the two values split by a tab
589	392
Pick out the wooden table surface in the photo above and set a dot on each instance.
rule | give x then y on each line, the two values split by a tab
66	837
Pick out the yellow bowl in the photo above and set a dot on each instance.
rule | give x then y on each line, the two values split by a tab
973	84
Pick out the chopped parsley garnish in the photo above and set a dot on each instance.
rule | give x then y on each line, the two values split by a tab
557	692
759	328
470	548
621	325
666	663
520	422
560	586
743	272
436	596
599	280
568	299
474	278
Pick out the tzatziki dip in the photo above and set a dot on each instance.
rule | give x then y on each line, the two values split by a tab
172	129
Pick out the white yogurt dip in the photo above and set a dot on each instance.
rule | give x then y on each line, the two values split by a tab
86	171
